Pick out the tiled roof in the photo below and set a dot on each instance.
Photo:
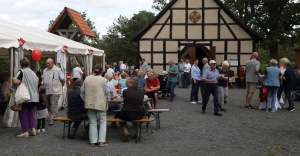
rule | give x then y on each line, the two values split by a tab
62	23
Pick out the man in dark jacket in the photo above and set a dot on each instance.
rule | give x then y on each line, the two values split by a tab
75	108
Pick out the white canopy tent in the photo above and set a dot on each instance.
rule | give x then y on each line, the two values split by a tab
49	44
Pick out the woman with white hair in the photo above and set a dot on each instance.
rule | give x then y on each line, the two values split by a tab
280	89
272	75
223	84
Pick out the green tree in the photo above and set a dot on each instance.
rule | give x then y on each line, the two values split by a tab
117	41
160	4
276	20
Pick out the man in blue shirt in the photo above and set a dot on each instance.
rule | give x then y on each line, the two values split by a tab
210	77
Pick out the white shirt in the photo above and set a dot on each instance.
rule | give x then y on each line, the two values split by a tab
77	72
187	67
122	67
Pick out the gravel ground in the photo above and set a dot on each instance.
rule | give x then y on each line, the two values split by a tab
184	131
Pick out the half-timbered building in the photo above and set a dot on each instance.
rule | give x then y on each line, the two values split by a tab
196	29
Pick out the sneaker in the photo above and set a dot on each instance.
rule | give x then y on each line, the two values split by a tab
200	102
38	131
193	102
126	138
249	107
273	110
43	130
72	133
290	109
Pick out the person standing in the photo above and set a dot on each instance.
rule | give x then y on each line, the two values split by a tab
240	79
41	110
210	77
26	115
172	79
223	85
77	72
180	74
144	66
289	78
280	89
53	80
202	83
122	66
186	72
196	77
272	75
252	72
95	102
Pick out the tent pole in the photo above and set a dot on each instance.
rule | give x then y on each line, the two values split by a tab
11	55
103	61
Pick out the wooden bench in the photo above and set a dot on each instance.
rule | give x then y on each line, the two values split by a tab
155	113
138	123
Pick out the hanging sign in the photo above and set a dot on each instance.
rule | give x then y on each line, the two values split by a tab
234	62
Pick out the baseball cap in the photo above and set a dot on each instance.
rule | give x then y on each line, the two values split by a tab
212	62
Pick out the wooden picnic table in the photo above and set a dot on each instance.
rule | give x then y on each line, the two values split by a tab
122	100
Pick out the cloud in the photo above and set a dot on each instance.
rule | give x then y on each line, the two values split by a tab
38	13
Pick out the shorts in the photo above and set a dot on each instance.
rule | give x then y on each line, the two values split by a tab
251	86
151	94
52	103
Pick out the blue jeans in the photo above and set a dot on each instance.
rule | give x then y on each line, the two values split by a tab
195	90
272	91
170	88
186	79
288	95
180	77
211	88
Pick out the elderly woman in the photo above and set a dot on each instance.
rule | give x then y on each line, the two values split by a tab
196	77
26	115
142	81
280	89
95	102
222	85
133	105
288	81
110	91
272	75
163	78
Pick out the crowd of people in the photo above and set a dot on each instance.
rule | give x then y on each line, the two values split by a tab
86	100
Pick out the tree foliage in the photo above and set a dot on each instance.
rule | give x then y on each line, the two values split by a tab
160	4
276	20
117	41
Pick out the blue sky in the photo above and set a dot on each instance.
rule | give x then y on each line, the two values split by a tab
38	13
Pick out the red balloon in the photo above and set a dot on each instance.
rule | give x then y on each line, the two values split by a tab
36	55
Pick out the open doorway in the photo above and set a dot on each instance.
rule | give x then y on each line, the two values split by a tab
201	52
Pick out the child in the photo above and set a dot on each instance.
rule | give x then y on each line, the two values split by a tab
123	80
41	111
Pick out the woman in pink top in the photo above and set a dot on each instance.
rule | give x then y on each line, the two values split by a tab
280	89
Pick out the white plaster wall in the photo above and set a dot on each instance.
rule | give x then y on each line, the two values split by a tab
173	56
211	16
147	57
226	17
158	46
157	69
220	46
178	32
232	46
157	58
165	33
219	58
171	46
178	16
145	45
244	59
179	4
195	3
195	32
152	31
246	46
163	18
225	33
210	3
211	32
239	32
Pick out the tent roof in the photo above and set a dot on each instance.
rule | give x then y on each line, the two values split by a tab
40	39
65	19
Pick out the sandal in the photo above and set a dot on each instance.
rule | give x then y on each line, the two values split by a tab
92	144
103	144
51	122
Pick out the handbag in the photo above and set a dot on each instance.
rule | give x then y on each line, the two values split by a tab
16	107
22	93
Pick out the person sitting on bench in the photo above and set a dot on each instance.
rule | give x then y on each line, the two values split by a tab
152	87
75	108
133	105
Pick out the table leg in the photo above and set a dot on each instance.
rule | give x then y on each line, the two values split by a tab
158	120
136	132
64	130
69	128
140	131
